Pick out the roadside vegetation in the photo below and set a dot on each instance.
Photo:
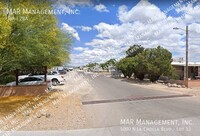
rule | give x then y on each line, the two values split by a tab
110	62
154	62
140	63
28	40
105	66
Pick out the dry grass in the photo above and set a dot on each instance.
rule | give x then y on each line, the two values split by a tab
12	103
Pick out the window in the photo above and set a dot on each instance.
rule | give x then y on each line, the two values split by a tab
28	79
192	69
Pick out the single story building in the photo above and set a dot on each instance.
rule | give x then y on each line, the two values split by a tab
193	70
193	73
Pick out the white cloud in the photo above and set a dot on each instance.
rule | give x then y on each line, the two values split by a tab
192	14
100	42
69	5
144	24
195	28
65	27
101	8
84	28
194	40
80	48
72	3
144	11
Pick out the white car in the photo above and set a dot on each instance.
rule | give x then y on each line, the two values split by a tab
55	79
31	80
53	73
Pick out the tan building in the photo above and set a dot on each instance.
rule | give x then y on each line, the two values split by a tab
193	70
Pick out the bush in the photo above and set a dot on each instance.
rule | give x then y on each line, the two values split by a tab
140	65
126	65
153	77
140	76
158	63
7	79
154	62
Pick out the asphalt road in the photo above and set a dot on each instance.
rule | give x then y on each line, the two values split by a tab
111	114
110	88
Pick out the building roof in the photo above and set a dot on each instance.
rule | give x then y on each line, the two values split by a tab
192	64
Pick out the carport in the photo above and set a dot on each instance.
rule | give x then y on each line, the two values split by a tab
42	70
26	90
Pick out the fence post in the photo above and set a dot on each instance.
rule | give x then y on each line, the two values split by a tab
45	74
16	76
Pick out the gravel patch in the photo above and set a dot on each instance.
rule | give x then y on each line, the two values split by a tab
66	114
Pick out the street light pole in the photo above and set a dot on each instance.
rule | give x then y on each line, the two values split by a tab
186	55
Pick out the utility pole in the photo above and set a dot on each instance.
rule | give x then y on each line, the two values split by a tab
186	55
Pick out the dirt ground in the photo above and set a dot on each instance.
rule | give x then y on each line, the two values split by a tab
163	87
60	109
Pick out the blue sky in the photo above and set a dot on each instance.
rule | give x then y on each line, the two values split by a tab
104	30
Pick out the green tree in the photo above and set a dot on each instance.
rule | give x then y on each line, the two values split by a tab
110	62
31	39
5	30
140	68
158	63
126	65
134	50
91	65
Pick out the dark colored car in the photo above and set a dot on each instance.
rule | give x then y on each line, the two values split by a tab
62	72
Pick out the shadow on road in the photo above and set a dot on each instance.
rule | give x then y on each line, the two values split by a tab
134	81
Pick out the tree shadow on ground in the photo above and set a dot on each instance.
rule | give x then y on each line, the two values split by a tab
134	81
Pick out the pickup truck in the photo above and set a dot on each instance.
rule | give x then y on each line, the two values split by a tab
55	79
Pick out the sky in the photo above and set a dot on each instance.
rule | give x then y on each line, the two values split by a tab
104	29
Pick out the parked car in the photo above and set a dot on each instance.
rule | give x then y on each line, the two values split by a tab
53	73
31	80
71	69
52	76
66	69
62	72
23	76
56	79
